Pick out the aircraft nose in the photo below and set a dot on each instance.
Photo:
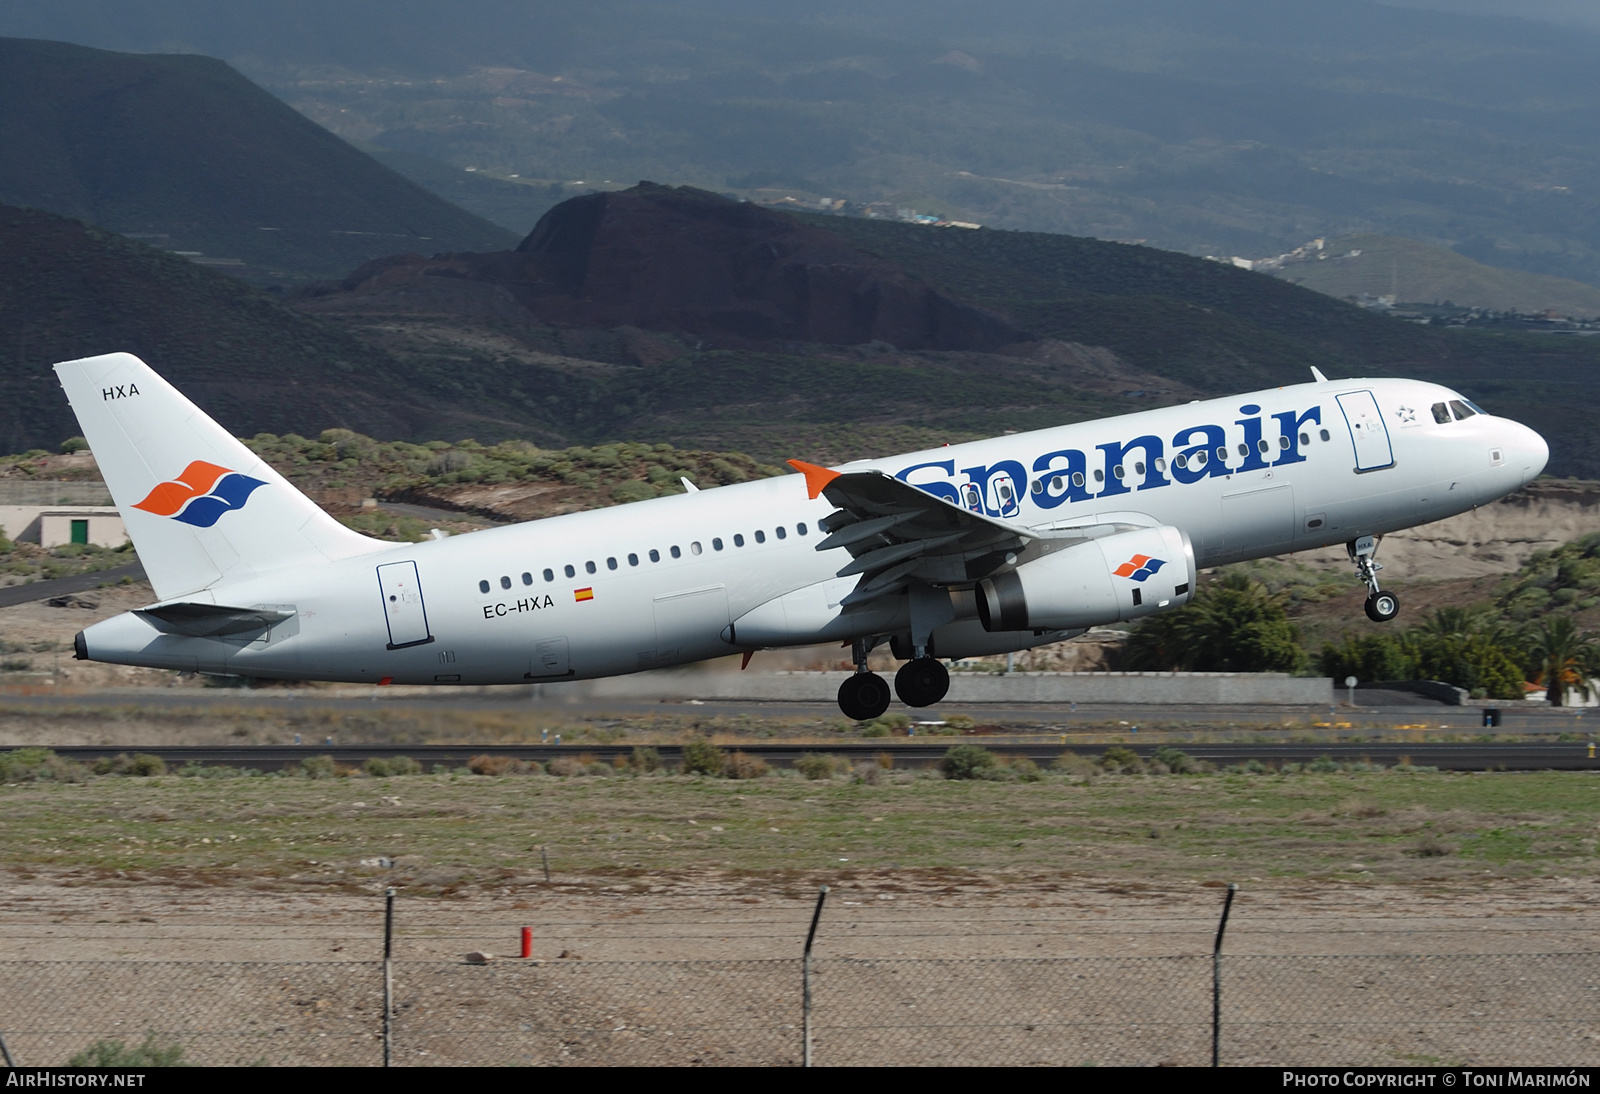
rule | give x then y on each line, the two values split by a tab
1529	452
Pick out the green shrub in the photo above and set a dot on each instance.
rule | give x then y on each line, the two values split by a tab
143	765
814	766
380	767
1124	760
1176	761
875	729
645	760
967	762
117	1054
318	767
27	765
1024	770
1070	763
701	757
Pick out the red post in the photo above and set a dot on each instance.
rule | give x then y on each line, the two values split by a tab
527	942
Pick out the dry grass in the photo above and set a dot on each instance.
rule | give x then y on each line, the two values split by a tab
446	833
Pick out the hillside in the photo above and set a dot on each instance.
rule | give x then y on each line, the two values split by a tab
185	153
68	290
1421	273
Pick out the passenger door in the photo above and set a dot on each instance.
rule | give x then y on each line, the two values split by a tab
402	605
1367	431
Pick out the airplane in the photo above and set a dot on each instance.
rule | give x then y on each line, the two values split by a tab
967	550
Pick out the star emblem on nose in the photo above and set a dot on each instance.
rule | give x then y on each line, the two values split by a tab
1406	414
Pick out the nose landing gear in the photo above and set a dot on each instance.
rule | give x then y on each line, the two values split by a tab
1380	606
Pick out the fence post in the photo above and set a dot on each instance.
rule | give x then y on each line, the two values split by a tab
6	1052
388	975
1216	978
805	977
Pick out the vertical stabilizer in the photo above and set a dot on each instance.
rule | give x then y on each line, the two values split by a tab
203	510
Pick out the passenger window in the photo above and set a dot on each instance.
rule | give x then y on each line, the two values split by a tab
1201	457
588	567
801	528
1263	447
611	564
1326	435
1244	450
569	571
676	553
1161	463
527	579
1462	409
1283	442
1305	438
549	575
716	544
1005	496
633	559
781	533
1222	453
1038	486
761	537
1441	413
505	583
483	586
1138	467
738	540
1181	461
1118	471
655	555
694	548
1099	475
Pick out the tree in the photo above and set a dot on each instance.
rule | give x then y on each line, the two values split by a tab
1235	625
1562	656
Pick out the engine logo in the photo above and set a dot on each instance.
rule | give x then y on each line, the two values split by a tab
201	495
1139	567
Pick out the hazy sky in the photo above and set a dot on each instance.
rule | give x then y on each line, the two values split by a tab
1556	11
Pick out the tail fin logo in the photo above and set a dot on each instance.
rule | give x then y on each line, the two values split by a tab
1139	567
201	495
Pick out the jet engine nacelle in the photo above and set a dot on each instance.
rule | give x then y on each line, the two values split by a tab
1091	584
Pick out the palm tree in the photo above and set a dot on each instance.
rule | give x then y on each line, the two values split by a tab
1564	656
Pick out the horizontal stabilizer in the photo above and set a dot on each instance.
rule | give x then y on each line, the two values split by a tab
210	620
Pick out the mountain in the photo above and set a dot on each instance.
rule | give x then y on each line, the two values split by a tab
1229	127
1421	273
694	264
185	153
69	290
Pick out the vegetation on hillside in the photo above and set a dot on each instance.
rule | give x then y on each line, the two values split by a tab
1232	625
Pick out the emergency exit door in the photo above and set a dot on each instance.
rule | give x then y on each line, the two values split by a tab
402	605
1367	431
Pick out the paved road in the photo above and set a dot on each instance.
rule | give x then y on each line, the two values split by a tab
1532	756
1516	718
43	590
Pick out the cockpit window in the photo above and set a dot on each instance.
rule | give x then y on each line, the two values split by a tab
1474	407
1462	409
1441	413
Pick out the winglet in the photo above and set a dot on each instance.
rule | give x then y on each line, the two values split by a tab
1317	372
817	478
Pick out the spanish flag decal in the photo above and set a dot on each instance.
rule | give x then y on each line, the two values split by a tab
583	594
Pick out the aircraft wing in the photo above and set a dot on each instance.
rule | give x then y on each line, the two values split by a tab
897	534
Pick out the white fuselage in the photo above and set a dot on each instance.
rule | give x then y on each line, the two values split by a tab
658	583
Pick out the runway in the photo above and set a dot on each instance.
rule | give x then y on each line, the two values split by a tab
902	752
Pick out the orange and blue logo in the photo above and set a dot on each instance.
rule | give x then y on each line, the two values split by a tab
201	495
1139	567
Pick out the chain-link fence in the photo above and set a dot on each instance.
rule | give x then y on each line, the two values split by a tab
1500	1009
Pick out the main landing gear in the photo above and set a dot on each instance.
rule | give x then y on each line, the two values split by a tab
865	695
922	682
1381	606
